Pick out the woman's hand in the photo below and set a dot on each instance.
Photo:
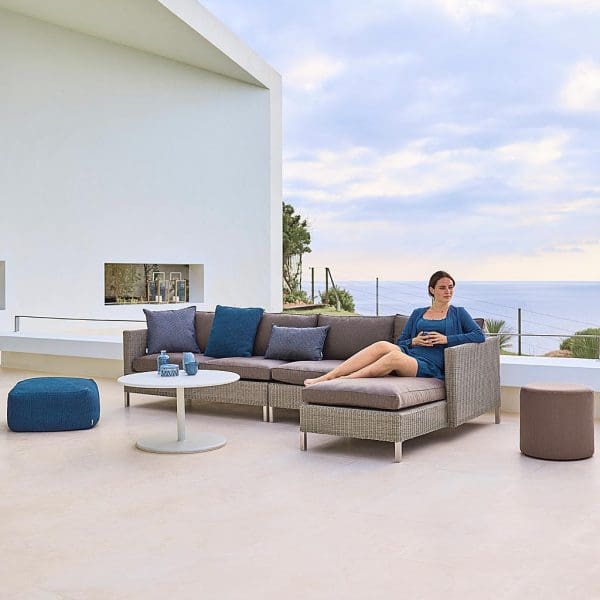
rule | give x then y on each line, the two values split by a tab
429	339
438	339
423	339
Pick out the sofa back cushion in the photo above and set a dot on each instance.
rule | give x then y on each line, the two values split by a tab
171	330
233	331
204	321
348	335
296	343
263	335
399	322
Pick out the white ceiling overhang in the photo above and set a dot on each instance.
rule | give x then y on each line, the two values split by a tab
181	30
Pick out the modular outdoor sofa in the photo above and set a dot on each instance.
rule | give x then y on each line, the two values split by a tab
392	409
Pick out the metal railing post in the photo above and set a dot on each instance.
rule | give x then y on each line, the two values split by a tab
312	285
377	296
519	330
17	323
337	296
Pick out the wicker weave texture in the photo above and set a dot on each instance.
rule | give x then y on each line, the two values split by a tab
386	426
134	345
251	393
472	380
283	395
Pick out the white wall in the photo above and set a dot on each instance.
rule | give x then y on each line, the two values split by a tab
113	155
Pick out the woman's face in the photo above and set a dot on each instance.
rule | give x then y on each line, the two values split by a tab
443	290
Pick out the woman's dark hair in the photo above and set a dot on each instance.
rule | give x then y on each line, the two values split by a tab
436	277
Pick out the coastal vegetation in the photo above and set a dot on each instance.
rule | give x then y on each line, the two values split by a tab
499	328
345	298
583	347
296	243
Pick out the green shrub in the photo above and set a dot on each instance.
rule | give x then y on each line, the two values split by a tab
498	326
583	347
346	299
295	297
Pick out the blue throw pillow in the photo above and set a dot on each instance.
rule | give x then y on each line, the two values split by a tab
297	343
172	330
233	331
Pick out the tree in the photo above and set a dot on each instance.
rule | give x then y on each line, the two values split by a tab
296	242
498	327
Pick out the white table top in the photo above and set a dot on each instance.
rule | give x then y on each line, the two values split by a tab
152	379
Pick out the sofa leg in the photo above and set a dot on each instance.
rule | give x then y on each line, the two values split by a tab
271	415
303	440
497	419
265	413
126	399
397	451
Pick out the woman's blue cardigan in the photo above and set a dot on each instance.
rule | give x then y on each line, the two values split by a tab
460	328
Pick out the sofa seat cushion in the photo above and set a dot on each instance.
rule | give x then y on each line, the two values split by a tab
247	367
383	393
142	364
297	372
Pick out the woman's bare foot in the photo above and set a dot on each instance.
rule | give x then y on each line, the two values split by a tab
308	382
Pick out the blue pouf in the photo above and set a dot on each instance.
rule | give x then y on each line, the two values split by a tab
53	404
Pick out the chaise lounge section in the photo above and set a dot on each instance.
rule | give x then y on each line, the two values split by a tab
392	409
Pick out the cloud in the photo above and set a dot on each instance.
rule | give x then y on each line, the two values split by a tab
424	132
310	74
359	172
581	92
418	170
463	11
540	152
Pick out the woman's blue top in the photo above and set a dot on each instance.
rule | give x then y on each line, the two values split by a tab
458	327
429	359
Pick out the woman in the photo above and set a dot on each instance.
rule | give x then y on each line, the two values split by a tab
419	351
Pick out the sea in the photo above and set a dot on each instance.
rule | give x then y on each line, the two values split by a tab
559	308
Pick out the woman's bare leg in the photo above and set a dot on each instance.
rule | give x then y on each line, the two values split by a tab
366	356
393	362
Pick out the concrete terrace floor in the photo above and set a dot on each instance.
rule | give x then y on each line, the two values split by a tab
85	515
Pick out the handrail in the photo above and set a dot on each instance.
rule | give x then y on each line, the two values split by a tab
18	318
565	335
554	335
502	333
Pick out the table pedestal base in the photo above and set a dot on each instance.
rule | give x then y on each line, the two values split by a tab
164	444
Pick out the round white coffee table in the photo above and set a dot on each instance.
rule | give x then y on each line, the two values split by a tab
199	442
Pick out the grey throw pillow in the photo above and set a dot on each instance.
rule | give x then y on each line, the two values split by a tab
297	343
172	330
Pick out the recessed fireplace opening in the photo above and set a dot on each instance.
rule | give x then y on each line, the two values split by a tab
153	283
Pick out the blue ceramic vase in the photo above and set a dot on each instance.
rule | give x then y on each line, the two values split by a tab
190	366
163	359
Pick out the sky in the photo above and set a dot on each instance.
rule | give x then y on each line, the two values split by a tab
419	135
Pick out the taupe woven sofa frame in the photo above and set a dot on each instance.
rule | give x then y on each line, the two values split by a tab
472	381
